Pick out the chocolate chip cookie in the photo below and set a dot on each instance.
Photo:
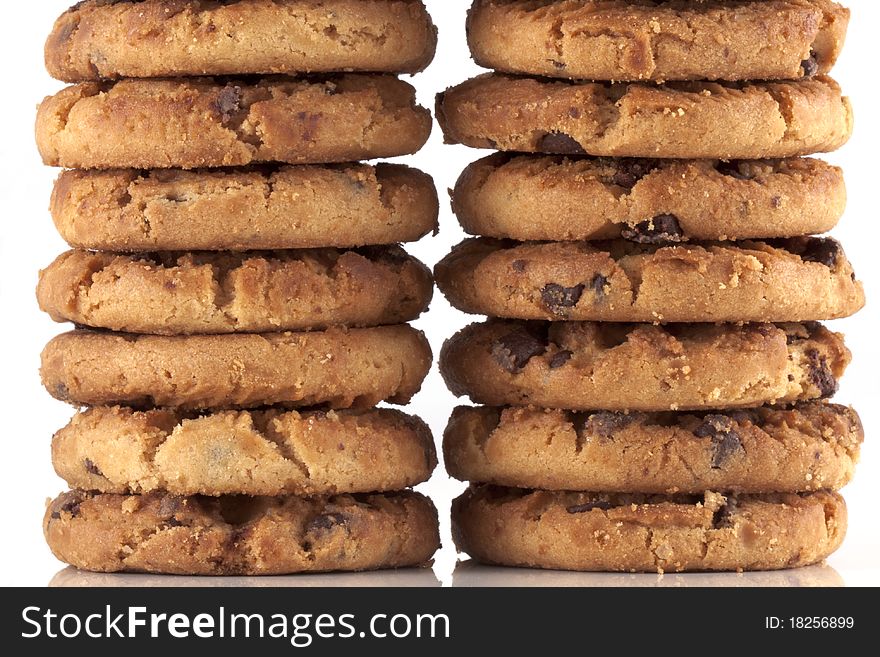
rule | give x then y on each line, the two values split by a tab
808	447
97	40
338	368
608	40
585	366
270	452
285	207
213	122
652	279
167	534
190	293
644	533
564	198
675	120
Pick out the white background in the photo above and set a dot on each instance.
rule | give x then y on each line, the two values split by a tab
28	242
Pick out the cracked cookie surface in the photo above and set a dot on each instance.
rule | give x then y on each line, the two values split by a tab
266	452
580	365
337	368
286	207
613	40
156	38
785	280
642	533
559	198
689	120
167	534
808	447
213	122
211	293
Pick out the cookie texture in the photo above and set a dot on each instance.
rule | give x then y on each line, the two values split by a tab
643	533
210	122
156	38
674	120
786	280
610	40
355	368
285	207
189	293
267	452
559	198
168	534
808	447
580	365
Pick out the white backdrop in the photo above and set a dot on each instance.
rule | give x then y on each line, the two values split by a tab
28	242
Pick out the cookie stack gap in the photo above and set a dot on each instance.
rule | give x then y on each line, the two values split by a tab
238	287
653	376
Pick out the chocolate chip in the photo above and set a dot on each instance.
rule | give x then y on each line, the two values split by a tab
92	468
824	250
598	286
557	64
811	65
630	172
62	392
663	228
574	113
557	298
561	143
326	522
169	506
514	350
604	424
732	169
721	519
820	374
519	266
559	359
744	417
228	102
725	440
69	503
589	506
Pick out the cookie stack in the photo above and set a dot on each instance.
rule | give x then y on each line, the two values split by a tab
654	374
239	295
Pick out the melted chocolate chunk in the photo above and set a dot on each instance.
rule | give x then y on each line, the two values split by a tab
824	250
662	229
514	350
820	374
558	142
604	424
92	468
722	518
589	506
560	359
630	172
326	522
557	299
726	442
228	103
70	504
598	286
811	65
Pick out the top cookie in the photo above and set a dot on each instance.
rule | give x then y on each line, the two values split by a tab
154	38
613	40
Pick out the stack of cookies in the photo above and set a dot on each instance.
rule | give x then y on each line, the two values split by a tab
239	295
653	371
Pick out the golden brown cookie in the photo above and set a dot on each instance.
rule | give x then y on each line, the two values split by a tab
338	368
557	198
612	40
675	120
643	533
271	452
585	366
808	447
287	207
161	533
155	38
787	280
191	293
208	122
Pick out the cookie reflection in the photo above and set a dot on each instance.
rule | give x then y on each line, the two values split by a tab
405	578
472	574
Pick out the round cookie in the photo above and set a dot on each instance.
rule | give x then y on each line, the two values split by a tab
606	40
167	534
643	533
190	293
156	38
580	365
787	280
557	198
809	447
676	120
286	207
338	368
271	452
208	122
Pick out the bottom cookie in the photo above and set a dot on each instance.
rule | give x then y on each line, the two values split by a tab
165	534
643	533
